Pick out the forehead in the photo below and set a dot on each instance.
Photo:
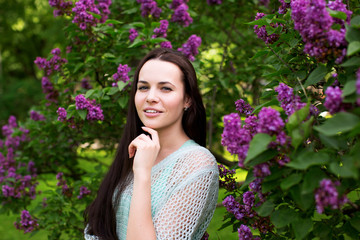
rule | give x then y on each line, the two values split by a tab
159	71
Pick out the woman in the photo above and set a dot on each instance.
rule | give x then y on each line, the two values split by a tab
163	183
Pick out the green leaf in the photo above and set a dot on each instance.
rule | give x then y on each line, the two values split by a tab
112	91
90	59
112	21
347	168
353	48
265	209
263	157
138	24
89	93
307	159
137	42
316	76
297	117
337	14
302	227
78	67
298	135
290	181
121	85
354	61
97	16
312	179
260	54
108	56
269	103
82	113
355	22
258	145
349	88
260	22
335	142
283	216
123	100
157	40
355	223
352	34
342	122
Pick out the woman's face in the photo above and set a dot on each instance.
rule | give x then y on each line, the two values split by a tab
160	95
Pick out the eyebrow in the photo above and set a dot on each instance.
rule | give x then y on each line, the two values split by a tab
160	83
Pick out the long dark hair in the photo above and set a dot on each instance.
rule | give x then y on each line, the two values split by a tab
100	214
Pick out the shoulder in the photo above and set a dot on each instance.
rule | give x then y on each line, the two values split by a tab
195	157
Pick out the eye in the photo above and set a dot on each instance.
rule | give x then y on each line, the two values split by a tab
167	89
141	88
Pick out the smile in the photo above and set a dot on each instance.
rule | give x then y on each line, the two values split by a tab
151	111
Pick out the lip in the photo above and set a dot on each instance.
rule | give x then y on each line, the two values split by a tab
151	114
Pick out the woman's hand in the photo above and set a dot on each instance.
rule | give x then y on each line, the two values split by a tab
145	150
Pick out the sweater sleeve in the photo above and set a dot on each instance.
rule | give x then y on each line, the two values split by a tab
189	209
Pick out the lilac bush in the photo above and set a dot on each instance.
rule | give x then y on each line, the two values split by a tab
190	48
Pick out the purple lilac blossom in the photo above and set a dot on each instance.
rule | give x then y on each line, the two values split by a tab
121	74
289	102
82	11
227	179
149	7
61	7
249	198
85	84
270	121
81	102
54	64
181	15
358	86
132	34
161	31
314	23
190	48
284	6
235	138
83	192
27	222
61	114
103	6
262	170
166	44
244	232
213	2
36	116
177	3
48	89
94	111
333	100
262	33
243	107
327	196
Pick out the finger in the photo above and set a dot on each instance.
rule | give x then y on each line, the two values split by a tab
135	144
153	133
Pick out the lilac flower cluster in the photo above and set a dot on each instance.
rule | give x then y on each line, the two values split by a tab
83	192
214	2
327	196
270	121
48	89
289	102
85	84
243	107
36	116
235	137
358	86
284	6
132	34
61	114
149	7
166	44
180	14
227	179
122	74
83	8
245	213
244	233
54	64
94	111
262	33
314	24
61	7
161	31
262	170
190	48
13	142
333	100
27	222
62	183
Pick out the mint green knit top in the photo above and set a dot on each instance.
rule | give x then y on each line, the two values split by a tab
184	192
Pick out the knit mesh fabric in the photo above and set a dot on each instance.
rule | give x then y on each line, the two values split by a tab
184	192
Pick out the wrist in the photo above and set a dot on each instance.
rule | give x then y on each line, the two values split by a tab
142	174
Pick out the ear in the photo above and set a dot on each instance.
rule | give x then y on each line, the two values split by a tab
187	102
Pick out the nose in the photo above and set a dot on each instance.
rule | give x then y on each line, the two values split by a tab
152	96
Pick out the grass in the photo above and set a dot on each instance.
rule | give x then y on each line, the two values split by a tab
8	231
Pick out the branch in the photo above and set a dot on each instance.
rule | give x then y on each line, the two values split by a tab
280	58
